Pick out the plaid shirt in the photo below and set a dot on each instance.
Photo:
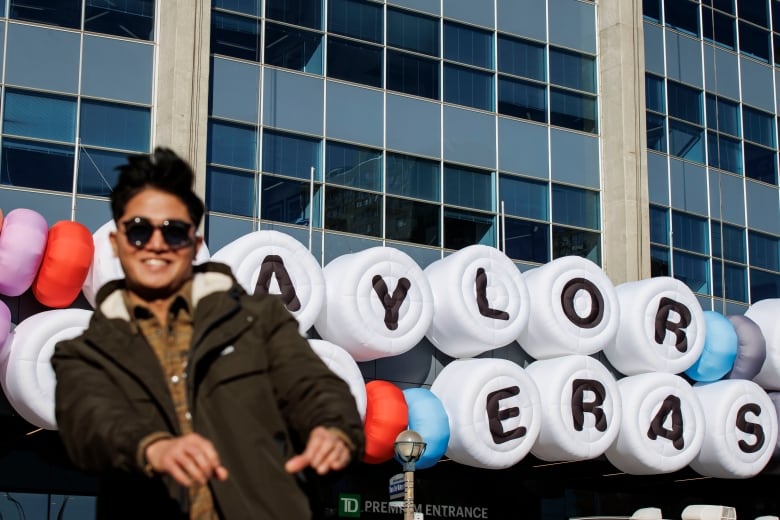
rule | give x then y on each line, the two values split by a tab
171	345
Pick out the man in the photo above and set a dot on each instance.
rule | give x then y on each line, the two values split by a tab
187	395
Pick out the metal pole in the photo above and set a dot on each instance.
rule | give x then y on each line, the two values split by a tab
408	495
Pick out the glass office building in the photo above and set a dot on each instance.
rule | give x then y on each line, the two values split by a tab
642	135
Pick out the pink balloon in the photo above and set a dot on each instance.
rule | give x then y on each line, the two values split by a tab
22	243
5	323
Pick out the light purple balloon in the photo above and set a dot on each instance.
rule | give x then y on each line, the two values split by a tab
751	348
5	323
22	244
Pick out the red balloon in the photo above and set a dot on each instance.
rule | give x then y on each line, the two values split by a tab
65	264
387	415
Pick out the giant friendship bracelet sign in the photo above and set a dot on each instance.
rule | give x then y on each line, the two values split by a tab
638	408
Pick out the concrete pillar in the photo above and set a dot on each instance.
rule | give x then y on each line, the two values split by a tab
625	206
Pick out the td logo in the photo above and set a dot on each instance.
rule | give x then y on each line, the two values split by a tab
349	505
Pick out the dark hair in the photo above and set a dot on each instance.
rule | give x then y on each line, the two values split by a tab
161	170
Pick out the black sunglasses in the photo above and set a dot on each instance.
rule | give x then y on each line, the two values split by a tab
176	233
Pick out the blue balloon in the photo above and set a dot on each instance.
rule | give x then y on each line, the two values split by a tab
428	417
720	349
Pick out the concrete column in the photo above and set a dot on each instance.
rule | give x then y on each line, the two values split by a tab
181	82
623	145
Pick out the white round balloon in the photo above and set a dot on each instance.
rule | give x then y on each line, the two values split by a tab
341	363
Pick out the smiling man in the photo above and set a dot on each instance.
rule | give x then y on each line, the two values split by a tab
190	398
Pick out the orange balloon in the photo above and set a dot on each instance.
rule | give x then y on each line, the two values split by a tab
387	415
65	264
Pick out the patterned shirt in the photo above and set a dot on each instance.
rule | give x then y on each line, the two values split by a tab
171	345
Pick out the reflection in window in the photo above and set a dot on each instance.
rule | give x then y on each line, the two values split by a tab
764	250
235	35
97	171
32	164
44	116
659	261
115	126
65	13
412	74
686	141
576	207
130	18
355	62
524	197
763	285
572	70
413	177
690	232
521	58
231	191
232	144
285	201
732	277
412	221
353	211
567	241
659	225
356	19
573	110
353	166
468	45
468	187
291	155
760	163
412	32
527	240
291	48
307	13
656	132
465	228
693	271
523	99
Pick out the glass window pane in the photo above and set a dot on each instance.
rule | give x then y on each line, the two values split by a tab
733	239
526	240
524	197
356	62
357	19
295	49
764	251
44	116
468	87
353	211
724	153
723	115
230	191
291	155
65	13
567	241
236	36
97	171
522	99
250	7
652	9
683	15
129	18
573	70
115	126
659	225
719	27
307	13
468	45
690	232
573	110
412	74
413	221
763	285
656	132
32	164
733	278
412	31
654	94
753	41
521	58
353	166
754	11
575	207
686	141
465	228
760	163
659	261
232	145
285	201
759	126
684	102
469	188
413	177
693	271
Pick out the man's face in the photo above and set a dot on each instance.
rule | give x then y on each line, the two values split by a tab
155	269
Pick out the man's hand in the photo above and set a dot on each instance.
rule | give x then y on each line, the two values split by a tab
325	451
188	459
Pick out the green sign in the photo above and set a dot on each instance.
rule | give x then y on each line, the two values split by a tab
349	505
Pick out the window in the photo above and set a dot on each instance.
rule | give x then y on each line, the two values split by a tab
285	201
573	110
693	271
290	155
723	115
686	141
353	166
682	15
754	41
572	70
733	278
719	27
763	285
469	188
524	197
413	177
291	48
130	18
760	163
232	144
231	191
468	45
576	207
353	211
356	19
724	152
465	228
412	32
97	171
250	7
759	126
656	132
527	240
411	221
523	99
235	35
354	61
567	241
115	126
659	225
41	116
684	102
65	13
655	98
412	74
306	13
659	261
468	87
764	251
690	232
521	58
35	164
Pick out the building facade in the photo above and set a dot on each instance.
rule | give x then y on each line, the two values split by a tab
641	135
